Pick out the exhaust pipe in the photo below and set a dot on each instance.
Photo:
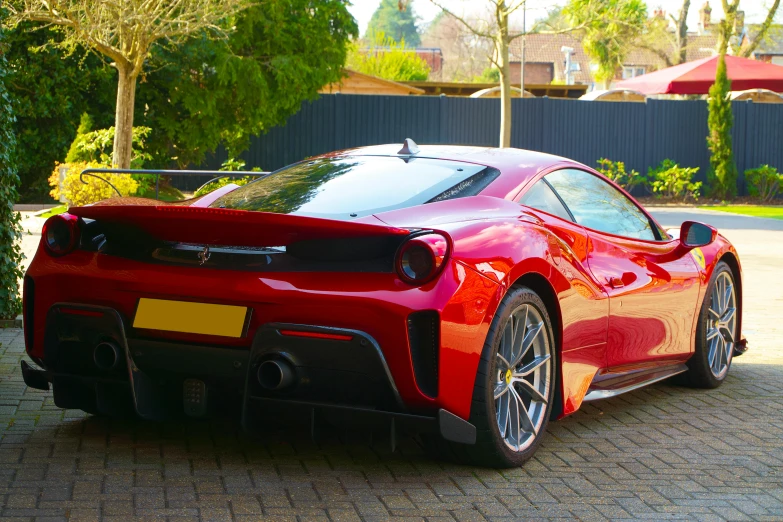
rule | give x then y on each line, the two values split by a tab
106	355
275	374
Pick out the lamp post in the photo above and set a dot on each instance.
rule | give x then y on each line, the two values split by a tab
522	57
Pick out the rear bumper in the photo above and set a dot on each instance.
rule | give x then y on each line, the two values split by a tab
344	378
374	303
444	423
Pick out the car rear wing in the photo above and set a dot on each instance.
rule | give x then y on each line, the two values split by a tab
217	226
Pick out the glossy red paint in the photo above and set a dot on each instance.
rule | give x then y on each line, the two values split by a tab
647	316
653	295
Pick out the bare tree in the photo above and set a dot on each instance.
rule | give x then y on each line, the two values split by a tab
729	28
465	56
125	31
498	32
670	47
763	29
681	34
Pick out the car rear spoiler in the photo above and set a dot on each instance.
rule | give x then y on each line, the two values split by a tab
217	226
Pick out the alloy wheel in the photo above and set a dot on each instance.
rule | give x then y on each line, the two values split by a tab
522	378
721	325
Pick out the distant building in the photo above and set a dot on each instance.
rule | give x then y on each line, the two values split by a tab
434	58
545	60
545	56
643	61
770	50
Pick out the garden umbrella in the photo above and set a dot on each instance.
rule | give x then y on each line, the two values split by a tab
698	76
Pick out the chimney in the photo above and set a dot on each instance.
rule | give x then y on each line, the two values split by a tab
704	17
739	22
659	13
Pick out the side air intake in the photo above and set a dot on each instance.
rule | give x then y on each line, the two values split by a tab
424	342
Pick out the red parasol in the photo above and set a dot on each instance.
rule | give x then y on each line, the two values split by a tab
698	76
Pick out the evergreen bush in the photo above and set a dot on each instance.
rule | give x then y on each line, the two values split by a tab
10	230
764	182
723	174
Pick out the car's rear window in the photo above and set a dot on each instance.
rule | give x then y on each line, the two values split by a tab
356	186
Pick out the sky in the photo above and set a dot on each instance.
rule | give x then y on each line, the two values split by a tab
755	11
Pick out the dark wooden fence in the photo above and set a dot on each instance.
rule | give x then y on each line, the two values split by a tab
640	134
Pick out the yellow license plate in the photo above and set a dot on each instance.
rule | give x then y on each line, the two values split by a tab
195	318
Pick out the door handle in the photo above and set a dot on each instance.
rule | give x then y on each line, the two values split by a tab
615	282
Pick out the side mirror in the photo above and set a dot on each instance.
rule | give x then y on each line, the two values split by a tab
694	234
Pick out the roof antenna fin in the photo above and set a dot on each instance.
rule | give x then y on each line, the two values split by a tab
409	148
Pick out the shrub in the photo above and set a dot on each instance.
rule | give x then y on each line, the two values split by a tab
670	180
97	145
489	75
615	171
764	182
78	194
10	231
230	165
388	59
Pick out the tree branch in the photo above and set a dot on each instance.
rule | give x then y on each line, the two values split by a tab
745	53
477	32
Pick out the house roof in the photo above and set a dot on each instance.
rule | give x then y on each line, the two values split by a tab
545	48
698	47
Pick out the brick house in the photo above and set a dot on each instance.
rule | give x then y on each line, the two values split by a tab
434	58
545	59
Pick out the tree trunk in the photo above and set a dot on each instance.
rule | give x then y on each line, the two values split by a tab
123	118
681	33
505	82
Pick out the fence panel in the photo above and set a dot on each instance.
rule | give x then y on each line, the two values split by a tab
640	134
470	121
763	141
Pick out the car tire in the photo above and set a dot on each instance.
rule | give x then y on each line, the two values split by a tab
716	331
499	392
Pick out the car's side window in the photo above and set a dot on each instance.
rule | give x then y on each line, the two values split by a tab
540	196
596	204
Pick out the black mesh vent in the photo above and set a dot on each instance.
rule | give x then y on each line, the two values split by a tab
424	341
28	293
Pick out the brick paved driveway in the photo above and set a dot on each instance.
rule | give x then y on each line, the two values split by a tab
661	453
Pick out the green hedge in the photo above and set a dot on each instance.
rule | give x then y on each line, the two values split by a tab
10	230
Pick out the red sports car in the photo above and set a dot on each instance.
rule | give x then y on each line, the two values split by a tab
466	294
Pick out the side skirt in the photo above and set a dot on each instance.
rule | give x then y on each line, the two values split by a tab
611	385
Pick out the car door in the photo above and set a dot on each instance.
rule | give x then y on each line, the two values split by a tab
653	286
584	308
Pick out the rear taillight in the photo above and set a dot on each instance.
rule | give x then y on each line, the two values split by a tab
60	234
421	258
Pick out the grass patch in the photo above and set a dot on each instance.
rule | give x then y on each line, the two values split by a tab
54	211
774	212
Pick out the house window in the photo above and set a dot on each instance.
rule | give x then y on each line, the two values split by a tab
632	72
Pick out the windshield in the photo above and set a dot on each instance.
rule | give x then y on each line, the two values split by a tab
356	186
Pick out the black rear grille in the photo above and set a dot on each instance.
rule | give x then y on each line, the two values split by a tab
424	341
28	294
